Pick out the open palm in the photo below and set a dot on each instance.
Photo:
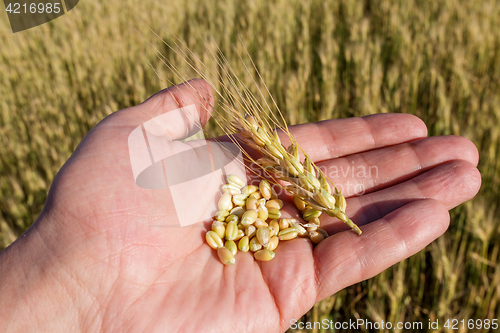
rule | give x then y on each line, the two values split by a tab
134	270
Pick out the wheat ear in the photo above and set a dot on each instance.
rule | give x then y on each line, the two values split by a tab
312	192
307	181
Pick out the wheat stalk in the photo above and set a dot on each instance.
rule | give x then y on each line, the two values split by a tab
307	181
241	113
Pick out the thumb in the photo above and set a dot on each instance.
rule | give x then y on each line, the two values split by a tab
104	153
170	115
176	112
121	160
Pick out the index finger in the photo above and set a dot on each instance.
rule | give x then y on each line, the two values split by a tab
340	137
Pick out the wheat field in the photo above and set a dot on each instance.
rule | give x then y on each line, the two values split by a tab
439	60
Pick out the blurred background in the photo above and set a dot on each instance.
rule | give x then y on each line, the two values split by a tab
439	60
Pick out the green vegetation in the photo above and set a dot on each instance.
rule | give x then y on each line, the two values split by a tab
439	60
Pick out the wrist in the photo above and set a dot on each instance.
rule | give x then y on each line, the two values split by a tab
38	290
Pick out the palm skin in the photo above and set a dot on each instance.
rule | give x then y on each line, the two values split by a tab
108	245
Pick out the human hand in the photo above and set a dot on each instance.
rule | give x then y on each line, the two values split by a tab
92	261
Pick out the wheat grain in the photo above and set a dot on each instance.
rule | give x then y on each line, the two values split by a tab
299	203
225	202
249	189
231	230
263	236
300	229
274	203
283	223
265	189
288	233
238	211
249	217
255	245
235	181
232	218
231	189
323	232
245	227
274	213
251	203
231	246
219	228
310	213
274	224
226	256
243	244
273	243
250	231
312	228
316	237
221	215
255	195
239	199
315	221
262	201
259	223
262	212
214	240
264	255
240	234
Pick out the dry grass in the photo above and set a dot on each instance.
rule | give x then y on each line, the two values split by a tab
321	59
